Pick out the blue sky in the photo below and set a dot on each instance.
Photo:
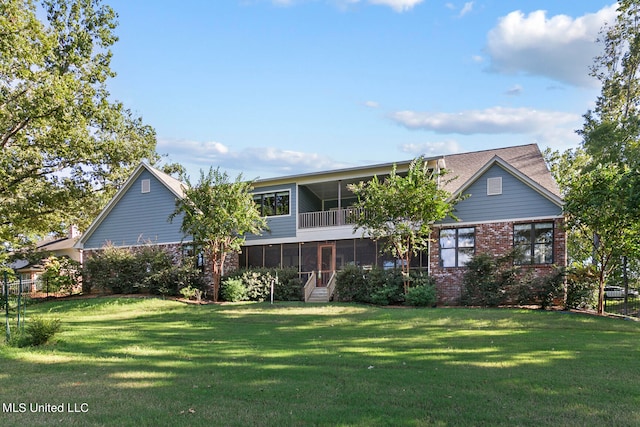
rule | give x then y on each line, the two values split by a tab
279	87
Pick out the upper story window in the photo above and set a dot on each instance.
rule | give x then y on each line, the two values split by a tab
535	242
274	203
457	246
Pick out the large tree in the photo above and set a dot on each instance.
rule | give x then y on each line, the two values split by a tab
66	145
603	199
217	213
400	210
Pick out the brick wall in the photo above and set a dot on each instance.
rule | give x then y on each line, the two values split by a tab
494	238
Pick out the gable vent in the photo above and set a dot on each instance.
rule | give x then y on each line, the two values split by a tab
146	185
494	186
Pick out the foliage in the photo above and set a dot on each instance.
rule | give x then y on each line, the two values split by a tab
582	287
352	284
603	200
598	205
254	284
60	274
145	269
66	145
422	292
377	286
543	290
189	292
400	210
233	290
218	213
488	280
39	331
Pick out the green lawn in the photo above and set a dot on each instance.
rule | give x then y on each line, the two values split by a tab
148	362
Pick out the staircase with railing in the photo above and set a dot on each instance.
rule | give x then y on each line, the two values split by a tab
314	293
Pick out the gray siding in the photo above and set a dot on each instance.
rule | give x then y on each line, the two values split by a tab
279	226
517	200
307	201
139	218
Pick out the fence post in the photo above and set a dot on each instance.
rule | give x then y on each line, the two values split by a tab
6	305
19	298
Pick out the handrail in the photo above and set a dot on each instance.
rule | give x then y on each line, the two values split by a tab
330	218
331	286
309	286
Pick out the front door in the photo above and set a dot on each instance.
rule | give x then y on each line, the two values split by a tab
326	262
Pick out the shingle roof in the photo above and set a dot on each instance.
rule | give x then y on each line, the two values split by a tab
526	158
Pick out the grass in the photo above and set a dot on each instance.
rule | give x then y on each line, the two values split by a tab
144	362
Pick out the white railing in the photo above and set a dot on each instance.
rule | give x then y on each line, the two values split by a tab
309	286
331	218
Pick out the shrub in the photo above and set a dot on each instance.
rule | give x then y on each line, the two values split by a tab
582	288
351	284
145	269
190	292
257	284
542	290
488	280
375	286
233	290
37	332
421	296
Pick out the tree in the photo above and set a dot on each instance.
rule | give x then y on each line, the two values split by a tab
218	213
400	210
596	206
66	146
603	197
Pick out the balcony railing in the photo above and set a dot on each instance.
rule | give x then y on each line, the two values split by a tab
331	218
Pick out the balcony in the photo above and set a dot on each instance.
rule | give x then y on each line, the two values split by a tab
330	218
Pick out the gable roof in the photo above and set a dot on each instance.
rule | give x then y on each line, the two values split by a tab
525	161
513	171
172	184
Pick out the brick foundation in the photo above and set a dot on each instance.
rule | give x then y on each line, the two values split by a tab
494	238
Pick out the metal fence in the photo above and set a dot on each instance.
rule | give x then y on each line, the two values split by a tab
22	286
618	306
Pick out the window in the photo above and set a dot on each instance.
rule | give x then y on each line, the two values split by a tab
146	186
457	246
272	204
535	242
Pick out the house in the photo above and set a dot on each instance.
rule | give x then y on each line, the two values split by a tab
512	201
58	246
138	215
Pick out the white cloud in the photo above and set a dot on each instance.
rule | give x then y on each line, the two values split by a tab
559	47
431	148
495	120
397	5
468	7
371	104
196	155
